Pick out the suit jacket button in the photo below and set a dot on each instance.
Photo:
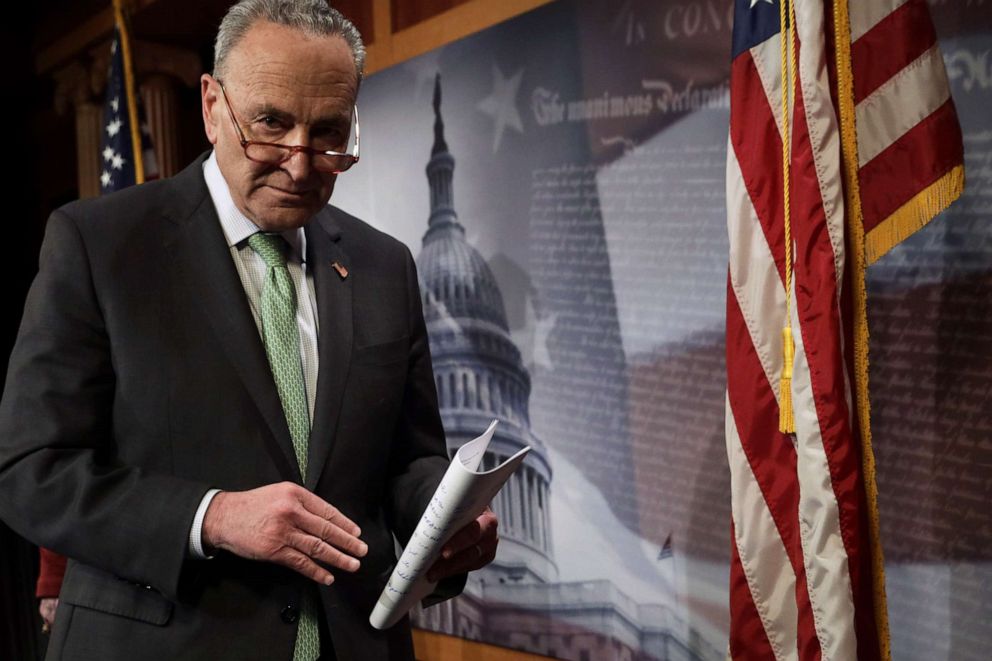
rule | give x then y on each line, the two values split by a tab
290	614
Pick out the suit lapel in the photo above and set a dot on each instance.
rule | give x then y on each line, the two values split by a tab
334	312
204	262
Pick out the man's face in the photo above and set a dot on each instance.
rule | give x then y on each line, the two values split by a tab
289	88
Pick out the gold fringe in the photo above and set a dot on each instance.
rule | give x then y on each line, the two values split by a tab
786	418
129	91
914	214
856	255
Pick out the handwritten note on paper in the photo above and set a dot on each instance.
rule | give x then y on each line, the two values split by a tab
462	495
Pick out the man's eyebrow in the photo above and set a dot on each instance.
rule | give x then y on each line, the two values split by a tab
336	120
269	109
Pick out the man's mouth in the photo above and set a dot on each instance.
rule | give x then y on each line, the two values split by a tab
290	193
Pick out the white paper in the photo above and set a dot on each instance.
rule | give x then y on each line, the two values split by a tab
463	494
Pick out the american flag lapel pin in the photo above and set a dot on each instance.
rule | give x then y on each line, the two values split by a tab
342	271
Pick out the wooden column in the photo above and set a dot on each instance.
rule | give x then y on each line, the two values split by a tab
74	90
159	94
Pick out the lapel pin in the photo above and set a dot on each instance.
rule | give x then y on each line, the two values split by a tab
342	271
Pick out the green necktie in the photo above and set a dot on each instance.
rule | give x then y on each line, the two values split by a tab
281	337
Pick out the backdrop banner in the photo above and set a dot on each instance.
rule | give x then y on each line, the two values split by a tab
560	180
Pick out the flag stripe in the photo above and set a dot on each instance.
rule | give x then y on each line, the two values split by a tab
920	157
864	14
819	389
755	279
748	640
767	58
900	104
768	580
771	460
881	54
758	148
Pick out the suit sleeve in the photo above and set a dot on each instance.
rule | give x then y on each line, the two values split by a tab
420	457
62	485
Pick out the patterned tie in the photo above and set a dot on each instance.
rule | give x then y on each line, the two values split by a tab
281	337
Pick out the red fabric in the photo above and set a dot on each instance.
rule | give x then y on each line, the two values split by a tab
50	574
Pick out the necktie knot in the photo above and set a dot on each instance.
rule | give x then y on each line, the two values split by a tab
271	248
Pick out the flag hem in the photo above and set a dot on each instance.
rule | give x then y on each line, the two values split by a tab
913	215
856	253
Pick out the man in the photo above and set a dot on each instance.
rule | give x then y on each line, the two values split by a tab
226	330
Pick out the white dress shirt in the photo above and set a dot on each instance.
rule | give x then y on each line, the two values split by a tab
252	271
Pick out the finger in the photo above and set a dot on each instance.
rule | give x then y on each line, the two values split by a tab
320	507
467	536
472	558
300	563
331	533
317	549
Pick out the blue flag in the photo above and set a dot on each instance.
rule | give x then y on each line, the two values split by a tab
117	155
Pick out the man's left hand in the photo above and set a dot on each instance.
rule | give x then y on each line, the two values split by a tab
472	547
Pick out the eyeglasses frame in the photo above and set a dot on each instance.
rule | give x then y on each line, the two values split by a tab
292	149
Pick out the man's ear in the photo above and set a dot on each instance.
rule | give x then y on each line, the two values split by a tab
210	100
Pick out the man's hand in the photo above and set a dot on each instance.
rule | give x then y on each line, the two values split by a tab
47	607
285	524
472	547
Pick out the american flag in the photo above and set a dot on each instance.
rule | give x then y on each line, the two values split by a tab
875	153
119	167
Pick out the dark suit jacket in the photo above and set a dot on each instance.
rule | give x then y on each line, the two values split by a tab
139	381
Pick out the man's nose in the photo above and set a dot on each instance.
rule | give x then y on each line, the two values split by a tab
298	165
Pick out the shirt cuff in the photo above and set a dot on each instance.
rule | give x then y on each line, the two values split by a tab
196	530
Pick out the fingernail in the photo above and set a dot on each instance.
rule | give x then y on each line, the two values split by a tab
355	564
328	580
363	549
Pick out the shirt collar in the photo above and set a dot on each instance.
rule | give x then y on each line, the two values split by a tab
236	226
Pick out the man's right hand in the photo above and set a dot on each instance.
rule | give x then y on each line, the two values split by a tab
285	524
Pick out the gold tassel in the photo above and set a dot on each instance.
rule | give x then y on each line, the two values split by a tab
786	419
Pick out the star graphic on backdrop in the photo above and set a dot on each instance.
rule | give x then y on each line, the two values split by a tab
105	179
118	162
113	127
755	2
115	103
108	153
532	336
542	331
501	105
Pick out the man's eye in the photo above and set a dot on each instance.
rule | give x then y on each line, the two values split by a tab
270	122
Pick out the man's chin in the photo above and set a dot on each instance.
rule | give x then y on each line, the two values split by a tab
280	212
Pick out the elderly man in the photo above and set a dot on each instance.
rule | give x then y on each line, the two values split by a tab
221	404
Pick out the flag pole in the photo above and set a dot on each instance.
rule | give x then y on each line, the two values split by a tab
129	92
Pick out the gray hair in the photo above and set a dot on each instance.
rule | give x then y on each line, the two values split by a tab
314	17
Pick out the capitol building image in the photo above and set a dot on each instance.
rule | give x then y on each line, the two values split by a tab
518	601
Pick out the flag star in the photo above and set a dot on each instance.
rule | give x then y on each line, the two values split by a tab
108	153
755	2
105	179
115	103
113	127
501	105
118	162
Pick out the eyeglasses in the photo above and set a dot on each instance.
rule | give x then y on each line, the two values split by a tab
271	153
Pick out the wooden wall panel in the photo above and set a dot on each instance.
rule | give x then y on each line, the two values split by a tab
408	14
